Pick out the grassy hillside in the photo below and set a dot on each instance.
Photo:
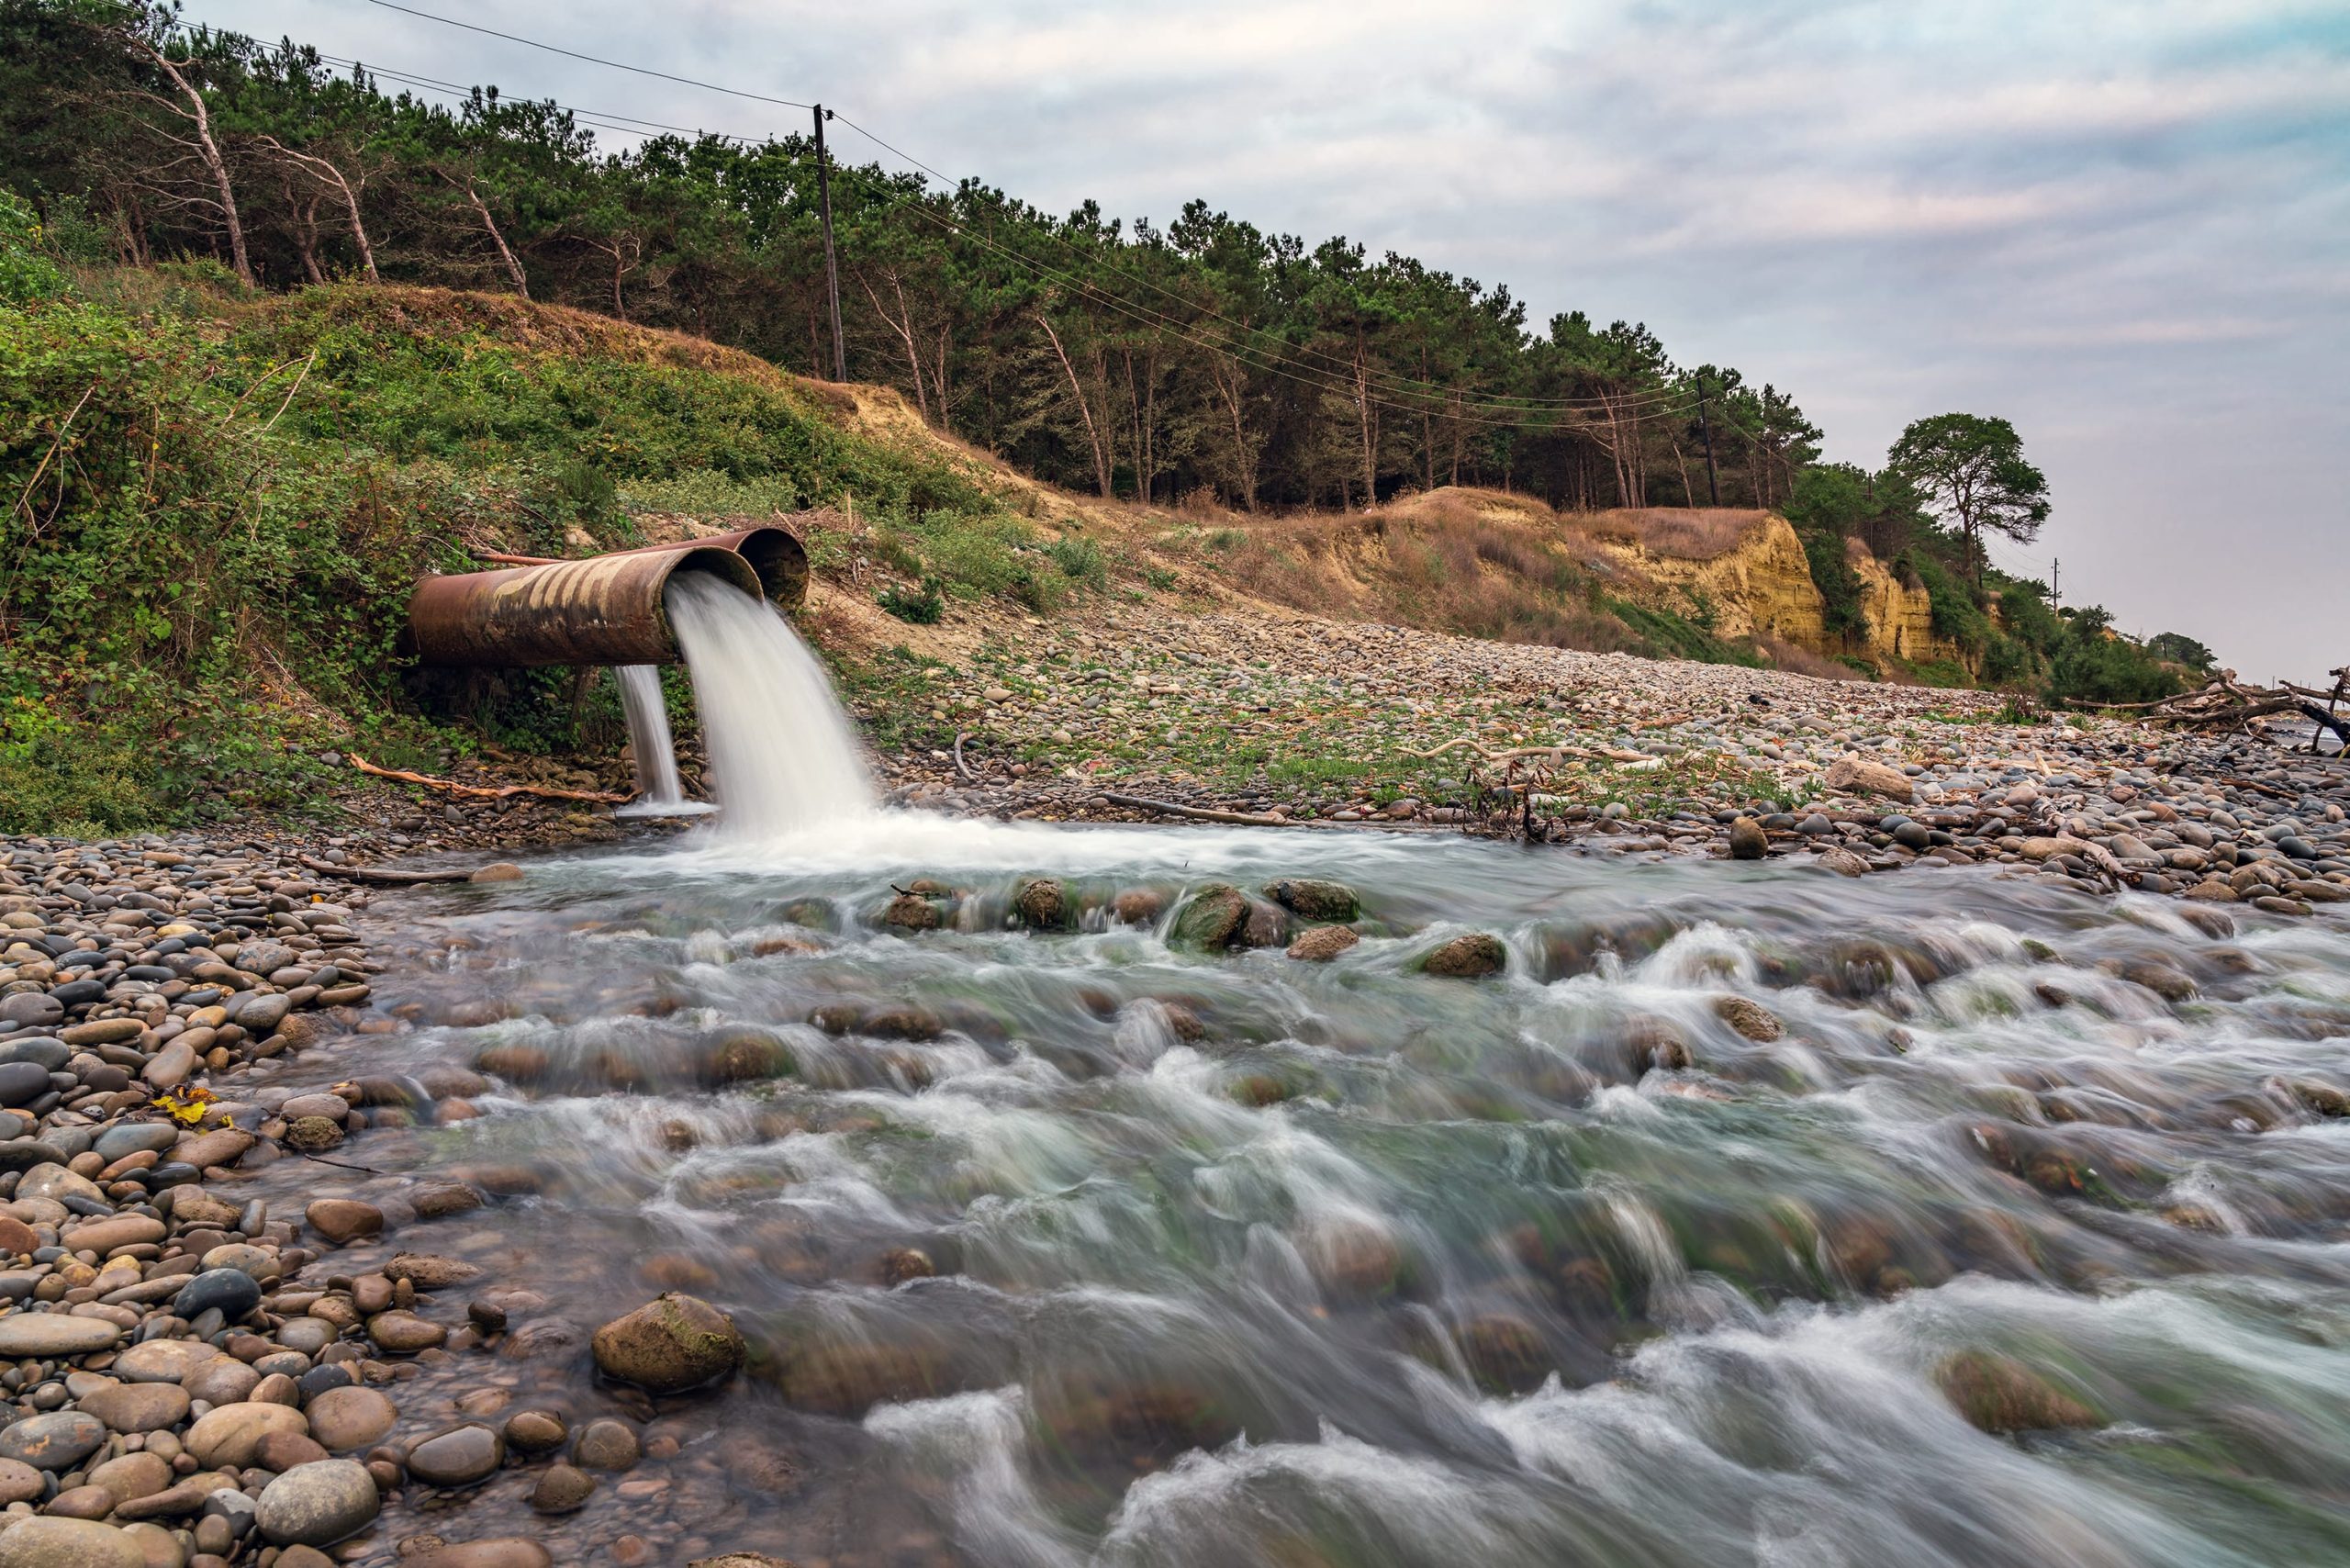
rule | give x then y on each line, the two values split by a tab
221	498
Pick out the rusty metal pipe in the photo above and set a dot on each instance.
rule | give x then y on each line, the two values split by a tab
606	610
774	553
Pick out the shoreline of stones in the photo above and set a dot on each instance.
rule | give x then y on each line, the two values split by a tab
189	1382
2219	822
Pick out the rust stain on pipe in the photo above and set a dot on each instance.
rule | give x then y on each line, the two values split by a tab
606	610
774	553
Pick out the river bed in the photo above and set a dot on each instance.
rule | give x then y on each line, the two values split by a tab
1680	1241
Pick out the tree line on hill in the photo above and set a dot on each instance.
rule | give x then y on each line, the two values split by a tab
1145	362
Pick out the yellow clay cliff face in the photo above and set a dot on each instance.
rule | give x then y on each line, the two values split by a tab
1762	586
1900	617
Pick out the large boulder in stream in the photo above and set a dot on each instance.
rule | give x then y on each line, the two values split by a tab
1472	956
910	911
1318	901
2002	1395
1212	920
1042	903
669	1345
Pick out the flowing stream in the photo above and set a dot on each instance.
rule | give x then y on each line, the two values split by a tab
1680	1241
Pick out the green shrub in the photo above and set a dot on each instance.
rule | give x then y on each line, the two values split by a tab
923	607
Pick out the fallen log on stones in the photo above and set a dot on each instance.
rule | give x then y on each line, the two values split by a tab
487	792
1196	814
384	875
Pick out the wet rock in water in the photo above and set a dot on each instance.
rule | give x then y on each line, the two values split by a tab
318	1503
498	871
342	1220
1212	920
1138	906
496	1551
903	1263
1468	958
1844	862
1323	942
607	1444
404	1333
1353	1258
1504	1352
1750	1019
2001	1395
908	911
849	1377
669	1345
1857	776
1311	899
535	1431
460	1456
563	1489
312	1135
1042	903
68	1543
902	1021
2316	1097
740	1559
745	1058
1747	840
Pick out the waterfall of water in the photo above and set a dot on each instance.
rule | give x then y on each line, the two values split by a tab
783	757
648	739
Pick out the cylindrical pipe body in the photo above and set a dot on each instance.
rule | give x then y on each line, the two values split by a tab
606	610
774	553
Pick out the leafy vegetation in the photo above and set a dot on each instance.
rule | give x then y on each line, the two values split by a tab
223	500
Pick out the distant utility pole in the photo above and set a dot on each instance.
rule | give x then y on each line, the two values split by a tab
831	266
2055	580
1713	479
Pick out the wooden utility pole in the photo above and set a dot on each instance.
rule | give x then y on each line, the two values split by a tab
2055	580
831	266
1713	479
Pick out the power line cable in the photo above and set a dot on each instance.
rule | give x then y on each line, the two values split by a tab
592	60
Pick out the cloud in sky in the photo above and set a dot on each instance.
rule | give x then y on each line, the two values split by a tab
2121	223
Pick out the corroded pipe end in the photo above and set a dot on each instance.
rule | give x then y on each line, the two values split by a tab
606	610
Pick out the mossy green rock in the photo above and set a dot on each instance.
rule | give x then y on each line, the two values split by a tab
669	1345
1042	903
1211	919
1311	899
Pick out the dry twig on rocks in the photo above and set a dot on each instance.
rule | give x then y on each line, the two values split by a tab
486	792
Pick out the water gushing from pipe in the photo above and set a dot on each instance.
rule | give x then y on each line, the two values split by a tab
783	757
649	742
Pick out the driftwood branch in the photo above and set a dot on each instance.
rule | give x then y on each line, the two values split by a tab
384	875
479	791
1196	814
960	736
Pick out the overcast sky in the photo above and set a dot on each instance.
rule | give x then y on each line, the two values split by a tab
2122	224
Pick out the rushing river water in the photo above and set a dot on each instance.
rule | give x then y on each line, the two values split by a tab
1246	1260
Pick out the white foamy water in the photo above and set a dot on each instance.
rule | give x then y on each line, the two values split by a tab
649	742
782	754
